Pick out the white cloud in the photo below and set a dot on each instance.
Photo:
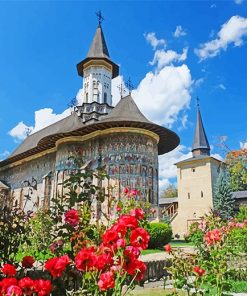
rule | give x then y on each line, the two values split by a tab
243	145
114	89
167	168
221	86
213	5
152	39
43	118
4	155
198	82
238	1
163	57
19	132
179	32
217	156
231	32
161	96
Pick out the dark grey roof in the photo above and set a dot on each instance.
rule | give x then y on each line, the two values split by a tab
198	157
166	201
200	138
239	194
125	114
98	48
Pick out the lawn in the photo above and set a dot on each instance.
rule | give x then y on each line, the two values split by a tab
153	292
174	244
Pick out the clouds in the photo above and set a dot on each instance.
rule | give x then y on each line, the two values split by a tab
43	118
4	155
153	41
238	1
231	32
179	32
167	167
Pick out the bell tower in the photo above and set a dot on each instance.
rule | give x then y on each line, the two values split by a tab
98	70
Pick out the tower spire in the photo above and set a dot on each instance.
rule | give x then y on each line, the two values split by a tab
200	144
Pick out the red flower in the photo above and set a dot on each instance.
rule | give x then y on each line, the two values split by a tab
106	281
86	259
72	217
199	271
27	285
139	238
126	190
138	213
136	268
14	291
8	270
168	248
133	192
120	229
6	283
118	208
110	237
57	265
43	287
211	237
131	252
128	221
121	243
153	211
27	261
103	261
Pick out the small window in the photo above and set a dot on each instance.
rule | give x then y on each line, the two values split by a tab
105	97
188	195
193	170
86	97
201	193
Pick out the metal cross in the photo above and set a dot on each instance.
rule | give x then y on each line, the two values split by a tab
73	102
129	85
100	17
197	102
121	90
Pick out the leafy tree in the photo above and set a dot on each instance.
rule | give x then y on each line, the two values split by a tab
169	192
237	166
223	201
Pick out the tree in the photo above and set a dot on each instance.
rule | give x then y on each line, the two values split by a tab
223	201
169	192
237	166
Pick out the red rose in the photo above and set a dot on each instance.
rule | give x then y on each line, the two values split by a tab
211	237
126	190
136	268
27	285
27	261
14	291
8	270
43	287
103	261
57	265
131	252
110	237
133	192
118	208
106	281
6	283
168	248
199	271
120	229
128	221
72	217
139	238
85	259
138	213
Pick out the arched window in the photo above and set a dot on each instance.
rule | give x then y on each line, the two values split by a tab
105	97
87	97
201	193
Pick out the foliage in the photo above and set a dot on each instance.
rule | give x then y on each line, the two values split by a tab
88	257
13	231
169	192
223	202
160	234
237	166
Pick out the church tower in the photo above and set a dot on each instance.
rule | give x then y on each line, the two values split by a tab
196	179
97	70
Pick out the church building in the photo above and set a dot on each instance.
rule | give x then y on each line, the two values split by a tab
119	138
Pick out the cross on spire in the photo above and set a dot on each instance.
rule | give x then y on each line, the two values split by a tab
129	85
197	102
121	89
100	17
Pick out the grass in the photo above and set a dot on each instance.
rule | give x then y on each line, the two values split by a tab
151	251
153	292
174	244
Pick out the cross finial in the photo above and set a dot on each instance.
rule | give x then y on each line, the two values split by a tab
100	17
121	90
197	102
129	85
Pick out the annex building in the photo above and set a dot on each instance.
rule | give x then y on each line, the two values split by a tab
119	138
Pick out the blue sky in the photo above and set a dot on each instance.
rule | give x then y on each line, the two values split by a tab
41	43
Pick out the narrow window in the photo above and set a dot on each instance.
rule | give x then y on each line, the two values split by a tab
105	97
188	195
193	170
201	193
86	97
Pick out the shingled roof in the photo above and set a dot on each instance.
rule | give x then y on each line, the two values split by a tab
125	114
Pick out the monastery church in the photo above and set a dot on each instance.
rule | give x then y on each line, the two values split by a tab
119	138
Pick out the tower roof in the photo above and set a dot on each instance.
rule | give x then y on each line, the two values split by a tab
200	143
98	51
98	48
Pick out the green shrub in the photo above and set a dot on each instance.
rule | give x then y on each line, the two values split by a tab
160	235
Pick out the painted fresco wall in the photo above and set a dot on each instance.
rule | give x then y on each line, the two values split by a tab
130	159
